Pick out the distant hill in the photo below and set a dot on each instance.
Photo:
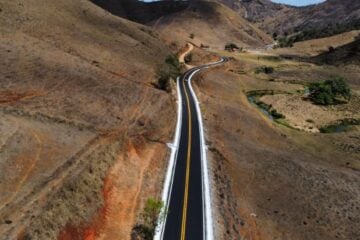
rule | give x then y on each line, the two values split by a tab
210	23
256	10
347	54
141	12
332	16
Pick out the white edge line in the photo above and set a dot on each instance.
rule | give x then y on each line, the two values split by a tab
208	220
166	194
208	228
165	197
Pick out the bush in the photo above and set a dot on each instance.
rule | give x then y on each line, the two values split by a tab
170	69
150	217
285	42
231	46
188	58
276	115
331	49
264	69
274	35
192	36
328	92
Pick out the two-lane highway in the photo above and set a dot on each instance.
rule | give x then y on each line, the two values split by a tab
186	215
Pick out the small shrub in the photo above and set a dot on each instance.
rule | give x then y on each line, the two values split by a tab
274	35
188	58
285	42
331	49
192	36
231	47
264	69
276	115
328	92
150	217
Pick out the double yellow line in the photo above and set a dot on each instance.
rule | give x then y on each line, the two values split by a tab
186	194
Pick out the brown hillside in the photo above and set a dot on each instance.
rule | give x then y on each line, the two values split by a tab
77	108
279	18
141	12
314	47
211	24
347	54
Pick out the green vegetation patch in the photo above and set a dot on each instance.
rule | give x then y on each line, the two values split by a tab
330	92
271	58
341	126
170	69
264	69
254	97
150	217
231	47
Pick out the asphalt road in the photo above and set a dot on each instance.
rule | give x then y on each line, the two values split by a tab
185	217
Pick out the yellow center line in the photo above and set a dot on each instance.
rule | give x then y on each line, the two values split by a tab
186	195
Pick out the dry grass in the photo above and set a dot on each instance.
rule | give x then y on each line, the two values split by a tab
271	180
212	24
76	84
317	46
303	114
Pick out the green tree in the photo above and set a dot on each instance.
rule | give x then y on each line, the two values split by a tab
231	46
169	69
328	92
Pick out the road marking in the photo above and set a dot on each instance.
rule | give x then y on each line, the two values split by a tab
186	195
168	185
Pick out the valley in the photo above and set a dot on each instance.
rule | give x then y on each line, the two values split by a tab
88	115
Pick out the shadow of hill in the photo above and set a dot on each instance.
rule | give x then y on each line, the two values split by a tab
349	53
346	54
141	12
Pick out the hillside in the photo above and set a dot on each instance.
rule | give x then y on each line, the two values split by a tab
314	47
77	109
210	24
331	16
256	10
139	11
346	54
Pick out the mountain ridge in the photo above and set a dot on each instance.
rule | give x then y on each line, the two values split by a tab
282	19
